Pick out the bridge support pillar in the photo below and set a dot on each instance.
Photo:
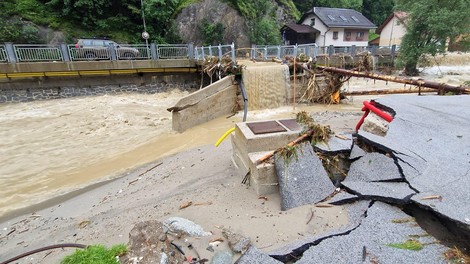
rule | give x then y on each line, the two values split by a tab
10	52
65	52
153	51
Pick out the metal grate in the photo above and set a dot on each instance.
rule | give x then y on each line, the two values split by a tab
266	127
291	124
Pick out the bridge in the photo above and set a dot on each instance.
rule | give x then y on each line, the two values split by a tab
30	60
36	72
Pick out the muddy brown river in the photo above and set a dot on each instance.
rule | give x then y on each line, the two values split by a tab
49	148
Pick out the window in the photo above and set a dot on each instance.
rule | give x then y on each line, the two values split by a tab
312	22
335	34
360	36
331	18
347	35
343	18
355	19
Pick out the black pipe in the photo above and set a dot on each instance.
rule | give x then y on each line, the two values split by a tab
43	249
238	78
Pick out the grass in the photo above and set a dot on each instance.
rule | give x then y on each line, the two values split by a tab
410	244
96	254
455	255
403	220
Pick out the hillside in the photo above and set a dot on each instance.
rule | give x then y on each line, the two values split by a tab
202	22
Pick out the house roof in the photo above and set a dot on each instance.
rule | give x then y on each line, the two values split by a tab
400	15
301	28
340	17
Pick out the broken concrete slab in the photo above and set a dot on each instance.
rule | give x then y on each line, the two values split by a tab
342	198
255	256
394	192
356	212
356	152
374	167
303	180
372	240
335	145
429	134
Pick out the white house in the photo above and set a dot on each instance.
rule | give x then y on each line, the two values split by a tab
392	29
338	26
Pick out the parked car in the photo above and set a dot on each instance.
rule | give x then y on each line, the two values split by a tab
99	49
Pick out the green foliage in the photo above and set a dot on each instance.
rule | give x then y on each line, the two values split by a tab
430	24
16	30
410	244
292	9
212	33
307	5
266	32
377	10
96	254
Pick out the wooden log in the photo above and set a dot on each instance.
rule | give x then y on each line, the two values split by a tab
420	83
389	91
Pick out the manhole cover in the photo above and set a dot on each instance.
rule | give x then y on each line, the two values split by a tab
290	124
266	127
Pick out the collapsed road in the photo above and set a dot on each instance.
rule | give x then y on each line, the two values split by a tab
399	190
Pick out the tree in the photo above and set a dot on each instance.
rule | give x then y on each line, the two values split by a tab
212	33
429	26
377	10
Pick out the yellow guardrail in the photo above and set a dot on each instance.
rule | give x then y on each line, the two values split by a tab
95	72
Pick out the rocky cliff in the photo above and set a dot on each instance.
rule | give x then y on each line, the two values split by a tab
236	27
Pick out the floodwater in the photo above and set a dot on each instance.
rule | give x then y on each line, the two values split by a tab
49	148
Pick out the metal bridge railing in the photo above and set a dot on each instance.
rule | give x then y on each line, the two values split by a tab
31	52
220	50
3	54
10	53
172	51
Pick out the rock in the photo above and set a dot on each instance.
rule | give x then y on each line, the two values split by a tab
303	181
145	246
180	225
236	242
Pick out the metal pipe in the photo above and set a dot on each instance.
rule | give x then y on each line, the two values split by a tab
245	98
43	249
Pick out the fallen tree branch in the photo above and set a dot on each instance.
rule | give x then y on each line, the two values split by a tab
420	83
390	91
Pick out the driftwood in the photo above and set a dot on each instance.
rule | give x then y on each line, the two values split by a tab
390	91
295	142
420	83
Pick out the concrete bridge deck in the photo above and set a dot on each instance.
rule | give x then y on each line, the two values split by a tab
84	68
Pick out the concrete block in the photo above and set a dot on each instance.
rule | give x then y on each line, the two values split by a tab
263	178
263	142
213	106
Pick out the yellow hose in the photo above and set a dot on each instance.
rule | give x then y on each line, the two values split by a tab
224	136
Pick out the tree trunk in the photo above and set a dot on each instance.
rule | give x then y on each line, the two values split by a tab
411	69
